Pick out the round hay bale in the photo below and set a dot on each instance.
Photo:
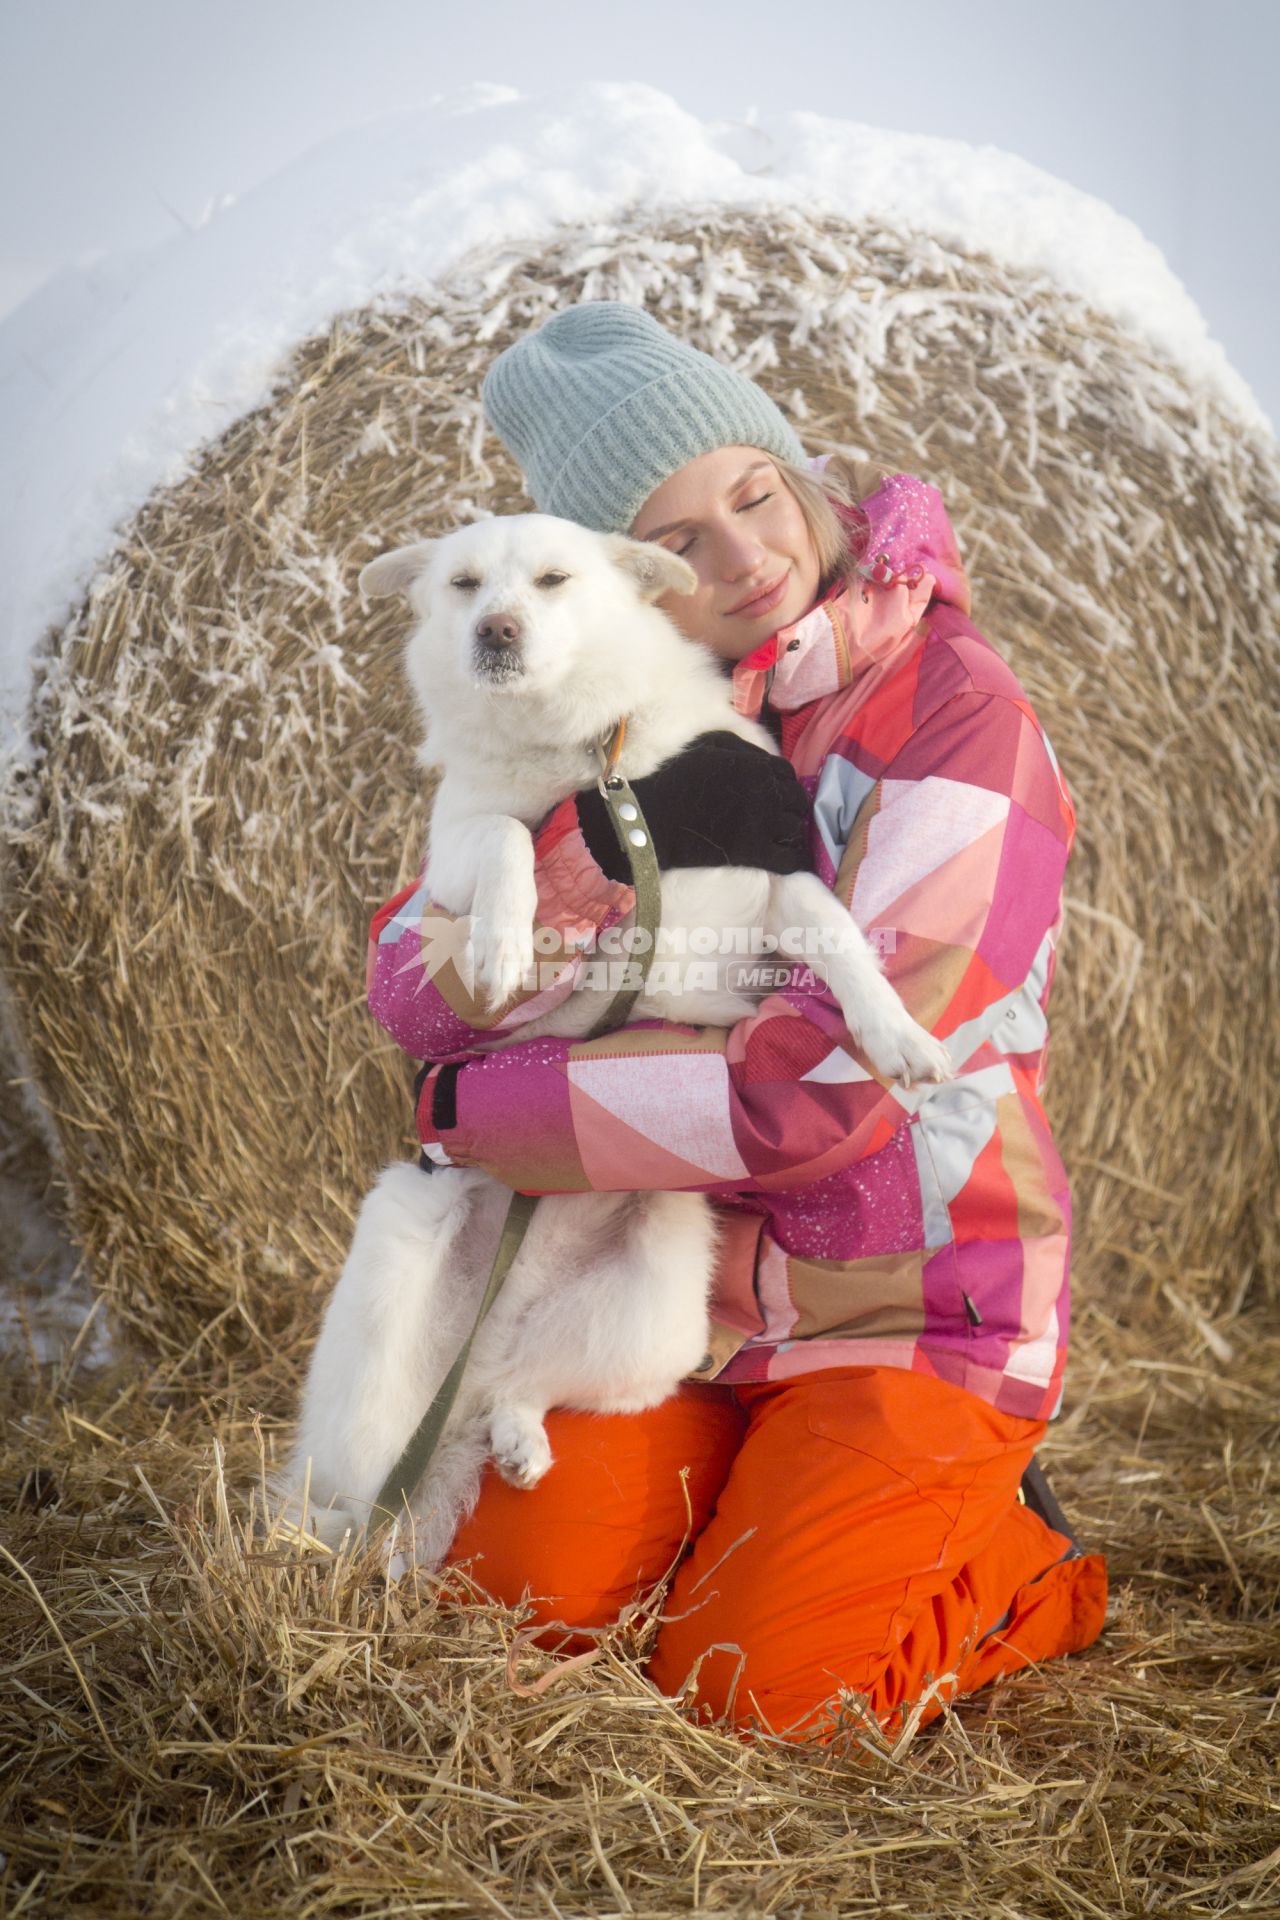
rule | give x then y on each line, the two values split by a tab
224	786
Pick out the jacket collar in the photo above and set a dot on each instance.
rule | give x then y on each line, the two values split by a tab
866	623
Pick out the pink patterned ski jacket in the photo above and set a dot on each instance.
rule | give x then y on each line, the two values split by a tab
864	1225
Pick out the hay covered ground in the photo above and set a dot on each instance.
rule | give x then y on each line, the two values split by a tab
198	1723
200	1720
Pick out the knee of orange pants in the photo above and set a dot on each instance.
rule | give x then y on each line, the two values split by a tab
623	1494
948	1650
868	1537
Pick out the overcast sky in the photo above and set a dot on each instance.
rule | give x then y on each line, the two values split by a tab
124	118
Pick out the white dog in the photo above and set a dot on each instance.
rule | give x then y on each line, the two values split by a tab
534	637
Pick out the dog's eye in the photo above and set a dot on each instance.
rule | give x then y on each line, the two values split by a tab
465	582
551	580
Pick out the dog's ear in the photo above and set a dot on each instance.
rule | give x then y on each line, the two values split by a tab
654	570
394	572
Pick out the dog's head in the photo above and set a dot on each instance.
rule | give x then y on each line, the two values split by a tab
522	604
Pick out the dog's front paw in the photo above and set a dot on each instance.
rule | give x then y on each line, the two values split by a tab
900	1049
519	1445
501	956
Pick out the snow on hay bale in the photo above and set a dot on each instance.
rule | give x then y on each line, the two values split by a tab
225	786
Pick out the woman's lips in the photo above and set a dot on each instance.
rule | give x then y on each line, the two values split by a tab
764	602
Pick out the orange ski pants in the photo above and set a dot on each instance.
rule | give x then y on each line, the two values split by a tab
856	1529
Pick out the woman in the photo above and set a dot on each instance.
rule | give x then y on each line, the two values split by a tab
890	1310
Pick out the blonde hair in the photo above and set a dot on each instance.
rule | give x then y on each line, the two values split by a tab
843	479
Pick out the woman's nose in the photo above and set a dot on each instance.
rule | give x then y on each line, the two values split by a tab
741	554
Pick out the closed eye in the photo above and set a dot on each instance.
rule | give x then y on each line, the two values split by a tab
745	508
551	580
464	582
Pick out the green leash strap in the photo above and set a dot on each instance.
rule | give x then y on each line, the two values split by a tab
630	826
634	838
413	1462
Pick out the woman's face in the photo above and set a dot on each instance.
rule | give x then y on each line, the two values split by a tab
731	515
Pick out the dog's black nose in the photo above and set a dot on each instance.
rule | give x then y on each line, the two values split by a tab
498	630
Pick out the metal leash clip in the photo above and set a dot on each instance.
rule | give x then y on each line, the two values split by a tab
617	793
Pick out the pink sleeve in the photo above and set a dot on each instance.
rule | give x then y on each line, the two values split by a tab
417	975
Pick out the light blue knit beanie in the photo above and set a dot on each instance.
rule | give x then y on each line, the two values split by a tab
600	405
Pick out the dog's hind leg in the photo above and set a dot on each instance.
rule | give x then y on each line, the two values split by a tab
614	1314
386	1339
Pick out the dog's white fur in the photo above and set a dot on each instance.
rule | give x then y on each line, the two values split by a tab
605	1307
